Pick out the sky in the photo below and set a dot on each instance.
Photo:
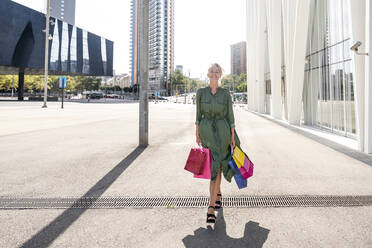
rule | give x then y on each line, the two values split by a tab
204	30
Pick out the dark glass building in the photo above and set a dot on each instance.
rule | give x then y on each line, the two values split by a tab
72	51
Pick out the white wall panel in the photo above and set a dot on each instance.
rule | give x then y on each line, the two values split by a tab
358	14
274	29
295	19
368	90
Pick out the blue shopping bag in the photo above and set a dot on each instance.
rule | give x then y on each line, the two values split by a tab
240	181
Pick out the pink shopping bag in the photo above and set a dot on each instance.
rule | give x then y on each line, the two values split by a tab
196	160
206	174
247	169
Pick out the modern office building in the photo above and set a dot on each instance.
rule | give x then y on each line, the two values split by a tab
301	68
121	80
238	58
63	10
72	51
161	44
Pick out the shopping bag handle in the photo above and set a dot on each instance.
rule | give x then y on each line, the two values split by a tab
201	147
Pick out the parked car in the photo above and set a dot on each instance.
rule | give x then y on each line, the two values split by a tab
162	98
94	95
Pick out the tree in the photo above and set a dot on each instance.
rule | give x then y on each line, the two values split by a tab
178	81
35	83
117	88
235	82
87	83
6	83
230	82
242	87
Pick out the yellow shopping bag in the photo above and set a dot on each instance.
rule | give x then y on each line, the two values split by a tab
238	156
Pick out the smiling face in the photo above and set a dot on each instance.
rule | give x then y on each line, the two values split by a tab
214	72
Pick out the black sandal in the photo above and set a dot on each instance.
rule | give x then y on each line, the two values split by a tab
210	216
218	203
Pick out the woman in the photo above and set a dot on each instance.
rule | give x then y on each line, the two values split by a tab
215	129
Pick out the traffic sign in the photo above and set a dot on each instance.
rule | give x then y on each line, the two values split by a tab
62	82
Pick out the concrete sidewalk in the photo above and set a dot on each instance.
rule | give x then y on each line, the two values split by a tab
60	153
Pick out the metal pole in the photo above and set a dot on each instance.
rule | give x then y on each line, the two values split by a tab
143	27
12	85
46	59
63	89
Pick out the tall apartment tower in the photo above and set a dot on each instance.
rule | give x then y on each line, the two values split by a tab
161	44
63	10
238	58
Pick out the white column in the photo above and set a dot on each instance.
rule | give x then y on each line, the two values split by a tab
252	51
250	54
260	54
368	90
288	7
358	13
296	21
274	28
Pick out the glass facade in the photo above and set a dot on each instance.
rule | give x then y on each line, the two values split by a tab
73	51
70	45
54	51
85	53
104	55
66	51
328	95
64	46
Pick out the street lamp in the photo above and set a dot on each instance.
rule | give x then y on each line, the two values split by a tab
355	48
46	59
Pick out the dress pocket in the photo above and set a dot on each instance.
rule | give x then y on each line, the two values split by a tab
221	105
205	105
221	101
205	100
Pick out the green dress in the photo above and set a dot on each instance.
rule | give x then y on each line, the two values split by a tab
215	117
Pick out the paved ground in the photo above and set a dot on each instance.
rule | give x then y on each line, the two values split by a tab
57	153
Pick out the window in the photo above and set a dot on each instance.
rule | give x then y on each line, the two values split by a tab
64	46
328	86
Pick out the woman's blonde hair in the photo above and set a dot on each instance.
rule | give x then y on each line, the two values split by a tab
219	69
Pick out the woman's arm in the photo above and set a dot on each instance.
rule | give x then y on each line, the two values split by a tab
232	141
198	117
230	112
198	140
198	112
231	120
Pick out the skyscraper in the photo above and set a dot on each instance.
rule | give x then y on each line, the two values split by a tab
161	44
63	10
238	58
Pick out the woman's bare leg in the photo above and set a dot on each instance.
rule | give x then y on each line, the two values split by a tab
212	195
218	191
214	187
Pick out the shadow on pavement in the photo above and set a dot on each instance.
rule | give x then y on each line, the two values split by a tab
254	236
48	234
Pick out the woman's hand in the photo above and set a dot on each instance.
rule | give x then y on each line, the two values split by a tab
198	140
